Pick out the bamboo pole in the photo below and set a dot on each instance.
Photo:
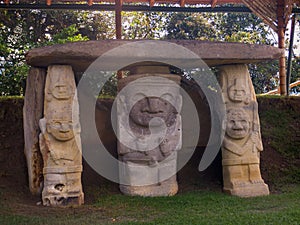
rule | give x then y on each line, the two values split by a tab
281	45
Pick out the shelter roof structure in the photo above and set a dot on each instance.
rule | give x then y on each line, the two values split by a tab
275	13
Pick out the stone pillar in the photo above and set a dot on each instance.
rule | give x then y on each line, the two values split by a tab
60	142
32	113
242	142
147	103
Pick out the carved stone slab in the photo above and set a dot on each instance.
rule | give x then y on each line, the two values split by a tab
147	103
60	139
81	54
32	113
242	143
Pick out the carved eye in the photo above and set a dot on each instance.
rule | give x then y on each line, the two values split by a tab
244	122
56	124
232	122
168	97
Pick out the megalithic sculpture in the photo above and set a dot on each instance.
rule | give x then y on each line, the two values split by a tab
60	140
148	103
242	143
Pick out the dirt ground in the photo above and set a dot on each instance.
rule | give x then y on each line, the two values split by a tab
14	189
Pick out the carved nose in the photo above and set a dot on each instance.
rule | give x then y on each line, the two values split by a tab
239	92
64	127
238	125
61	89
153	105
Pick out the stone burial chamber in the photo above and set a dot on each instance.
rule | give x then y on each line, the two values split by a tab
52	119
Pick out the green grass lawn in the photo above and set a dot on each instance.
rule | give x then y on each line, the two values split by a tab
198	207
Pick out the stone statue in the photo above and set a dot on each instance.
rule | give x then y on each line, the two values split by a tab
60	140
147	106
241	151
242	142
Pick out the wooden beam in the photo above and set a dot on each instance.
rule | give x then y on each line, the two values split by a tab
281	45
130	8
188	2
118	18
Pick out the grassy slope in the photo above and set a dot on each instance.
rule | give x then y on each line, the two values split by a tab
280	125
201	207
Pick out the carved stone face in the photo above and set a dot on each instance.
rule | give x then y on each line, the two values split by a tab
61	130
153	107
238	124
60	88
237	91
61	91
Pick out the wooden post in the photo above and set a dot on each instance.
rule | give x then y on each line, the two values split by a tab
281	45
182	3
213	3
118	19
289	64
151	3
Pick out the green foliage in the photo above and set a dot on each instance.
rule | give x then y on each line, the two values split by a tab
21	30
109	89
264	76
96	25
12	67
68	34
295	69
144	25
240	27
190	26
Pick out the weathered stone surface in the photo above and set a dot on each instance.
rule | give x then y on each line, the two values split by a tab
32	113
60	139
242	143
81	54
148	104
